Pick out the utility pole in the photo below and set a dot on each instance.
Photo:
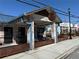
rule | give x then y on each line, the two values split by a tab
70	36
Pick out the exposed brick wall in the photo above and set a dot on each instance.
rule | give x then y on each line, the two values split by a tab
62	37
43	43
6	51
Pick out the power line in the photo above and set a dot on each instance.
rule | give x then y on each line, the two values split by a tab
59	11
6	15
28	3
40	3
67	14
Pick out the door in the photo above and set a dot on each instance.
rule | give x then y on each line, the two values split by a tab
8	34
21	35
40	33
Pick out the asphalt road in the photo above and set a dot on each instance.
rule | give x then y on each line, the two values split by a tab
74	55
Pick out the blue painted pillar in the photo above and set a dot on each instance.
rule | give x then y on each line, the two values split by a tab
30	35
54	32
58	30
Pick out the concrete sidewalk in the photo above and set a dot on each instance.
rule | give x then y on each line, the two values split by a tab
52	51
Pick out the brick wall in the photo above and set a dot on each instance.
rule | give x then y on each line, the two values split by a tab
43	43
6	51
62	37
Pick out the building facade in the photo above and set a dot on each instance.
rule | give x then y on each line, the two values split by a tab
31	30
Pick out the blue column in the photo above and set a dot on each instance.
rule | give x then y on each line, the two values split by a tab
30	35
54	32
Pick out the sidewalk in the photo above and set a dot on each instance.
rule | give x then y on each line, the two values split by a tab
52	51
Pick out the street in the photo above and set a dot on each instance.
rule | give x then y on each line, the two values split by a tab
74	55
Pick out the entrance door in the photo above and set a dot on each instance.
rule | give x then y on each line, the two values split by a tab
21	35
40	33
8	34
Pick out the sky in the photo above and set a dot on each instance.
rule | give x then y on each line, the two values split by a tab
14	8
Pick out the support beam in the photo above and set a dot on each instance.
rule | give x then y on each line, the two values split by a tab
14	35
54	32
30	35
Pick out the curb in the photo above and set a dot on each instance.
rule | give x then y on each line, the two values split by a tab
67	53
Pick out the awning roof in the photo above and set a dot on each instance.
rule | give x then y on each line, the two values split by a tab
42	11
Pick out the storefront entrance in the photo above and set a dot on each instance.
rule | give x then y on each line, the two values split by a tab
40	32
22	38
8	34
